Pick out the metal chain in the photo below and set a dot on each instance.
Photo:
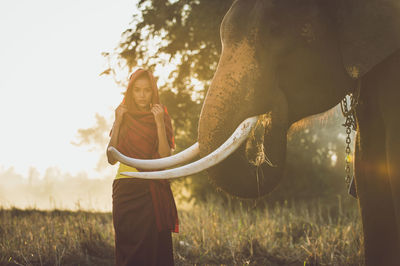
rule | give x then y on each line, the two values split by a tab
350	124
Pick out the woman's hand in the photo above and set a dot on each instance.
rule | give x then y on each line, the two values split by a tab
158	112
120	111
163	147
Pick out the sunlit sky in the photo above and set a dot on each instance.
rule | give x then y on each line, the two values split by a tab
50	61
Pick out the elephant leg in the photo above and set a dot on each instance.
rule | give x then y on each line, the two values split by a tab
389	95
374	195
373	181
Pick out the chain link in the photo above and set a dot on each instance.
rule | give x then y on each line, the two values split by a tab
349	121
350	124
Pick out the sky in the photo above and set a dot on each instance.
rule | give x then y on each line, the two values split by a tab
50	61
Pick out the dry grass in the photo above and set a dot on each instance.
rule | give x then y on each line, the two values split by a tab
213	233
33	237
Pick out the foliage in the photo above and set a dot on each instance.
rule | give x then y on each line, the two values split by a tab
210	233
189	31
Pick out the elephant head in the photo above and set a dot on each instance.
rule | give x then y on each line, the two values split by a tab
286	66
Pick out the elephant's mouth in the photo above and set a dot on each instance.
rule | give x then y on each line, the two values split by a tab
254	149
251	129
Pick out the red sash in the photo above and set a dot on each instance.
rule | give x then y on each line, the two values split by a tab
138	139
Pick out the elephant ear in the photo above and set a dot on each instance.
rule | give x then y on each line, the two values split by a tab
368	31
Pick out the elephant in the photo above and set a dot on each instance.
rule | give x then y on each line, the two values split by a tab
291	59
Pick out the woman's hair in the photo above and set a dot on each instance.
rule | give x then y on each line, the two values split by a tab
140	73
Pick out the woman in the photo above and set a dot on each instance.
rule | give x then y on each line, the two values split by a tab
144	212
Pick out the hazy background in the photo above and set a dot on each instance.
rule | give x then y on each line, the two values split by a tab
50	61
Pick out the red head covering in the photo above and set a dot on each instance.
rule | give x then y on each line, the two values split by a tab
138	139
138	133
128	99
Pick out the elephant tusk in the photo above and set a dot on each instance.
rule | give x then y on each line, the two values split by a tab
152	164
227	148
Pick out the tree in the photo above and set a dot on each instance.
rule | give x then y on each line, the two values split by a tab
189	32
182	33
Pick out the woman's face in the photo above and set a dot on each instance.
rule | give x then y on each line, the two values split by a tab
142	93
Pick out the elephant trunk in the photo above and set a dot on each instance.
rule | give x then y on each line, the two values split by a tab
238	91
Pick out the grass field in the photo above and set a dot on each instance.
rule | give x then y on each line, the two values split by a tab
212	233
